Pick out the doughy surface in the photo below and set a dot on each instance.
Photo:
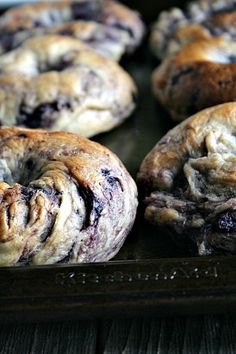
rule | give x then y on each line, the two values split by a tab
58	83
63	199
201	19
121	29
190	184
108	41
201	75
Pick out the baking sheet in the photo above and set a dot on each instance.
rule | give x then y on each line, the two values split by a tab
150	274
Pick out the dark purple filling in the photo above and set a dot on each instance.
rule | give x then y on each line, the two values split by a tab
135	96
232	59
87	10
93	205
67	258
28	192
225	223
55	197
27	258
47	232
66	32
125	28
7	40
185	70
43	115
40	24
113	181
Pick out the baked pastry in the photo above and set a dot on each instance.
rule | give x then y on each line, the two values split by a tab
105	40
126	27
189	180
201	75
200	20
57	83
63	199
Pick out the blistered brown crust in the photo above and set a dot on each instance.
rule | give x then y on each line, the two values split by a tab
189	180
200	20
201	75
63	199
57	83
43	15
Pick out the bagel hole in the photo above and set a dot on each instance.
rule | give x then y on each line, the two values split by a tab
30	171
60	65
23	172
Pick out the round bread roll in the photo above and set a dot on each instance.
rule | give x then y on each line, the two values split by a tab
57	83
108	41
122	27
63	199
189	179
201	75
201	19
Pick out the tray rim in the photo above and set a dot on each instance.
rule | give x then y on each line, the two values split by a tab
165	286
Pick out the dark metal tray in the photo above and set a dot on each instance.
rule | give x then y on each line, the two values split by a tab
150	275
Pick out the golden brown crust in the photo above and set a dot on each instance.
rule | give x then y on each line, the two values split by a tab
63	198
189	178
201	75
68	87
200	20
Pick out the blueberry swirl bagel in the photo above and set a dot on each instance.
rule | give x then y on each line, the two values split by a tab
201	20
190	180
57	83
120	30
63	199
201	75
108	41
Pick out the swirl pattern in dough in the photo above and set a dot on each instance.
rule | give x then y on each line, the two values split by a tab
202	74
201	19
63	199
120	30
189	180
58	83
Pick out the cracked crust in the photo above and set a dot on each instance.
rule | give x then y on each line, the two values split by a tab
57	83
63	199
200	20
121	28
201	75
189	180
